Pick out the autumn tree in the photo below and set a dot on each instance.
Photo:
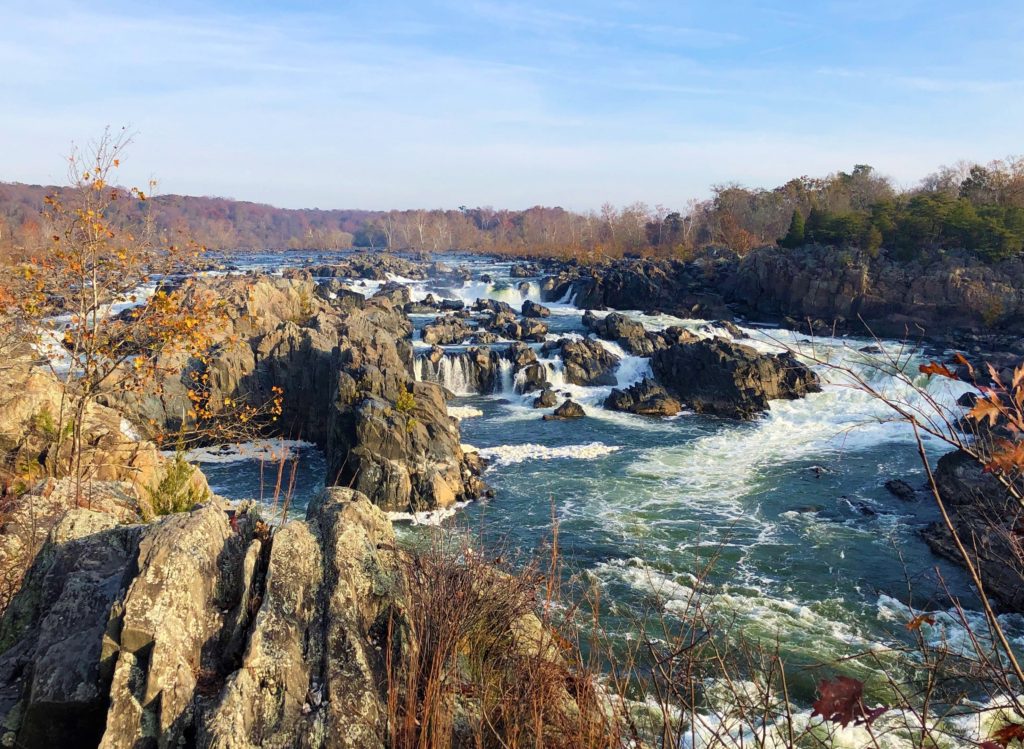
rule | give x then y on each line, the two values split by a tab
98	299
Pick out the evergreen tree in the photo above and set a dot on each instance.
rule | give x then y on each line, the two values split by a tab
795	236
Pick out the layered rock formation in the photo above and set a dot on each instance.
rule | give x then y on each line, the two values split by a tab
954	293
668	285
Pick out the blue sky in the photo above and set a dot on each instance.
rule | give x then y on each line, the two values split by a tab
440	104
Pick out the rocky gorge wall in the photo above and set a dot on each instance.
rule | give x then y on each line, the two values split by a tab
955	297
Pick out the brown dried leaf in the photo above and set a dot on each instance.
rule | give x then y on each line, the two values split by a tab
1008	733
1007	457
988	408
915	623
934	368
840	701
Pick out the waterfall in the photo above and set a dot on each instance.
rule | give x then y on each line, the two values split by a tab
455	371
631	370
506	381
501	292
569	296
519	383
556	372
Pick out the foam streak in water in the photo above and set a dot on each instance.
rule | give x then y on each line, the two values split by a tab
504	455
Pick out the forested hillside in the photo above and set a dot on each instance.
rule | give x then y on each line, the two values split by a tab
965	206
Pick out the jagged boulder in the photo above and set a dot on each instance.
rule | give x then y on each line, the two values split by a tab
546	399
370	266
532	309
345	369
397	294
728	379
208	630
446	331
587	362
484	338
524	270
634	338
202	632
530	374
983	511
527	329
646	397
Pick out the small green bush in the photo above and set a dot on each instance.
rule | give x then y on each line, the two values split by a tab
175	491
405	402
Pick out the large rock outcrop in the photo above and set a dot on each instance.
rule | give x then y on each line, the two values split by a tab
210	629
35	438
646	398
587	362
955	292
680	288
728	379
983	512
634	338
345	364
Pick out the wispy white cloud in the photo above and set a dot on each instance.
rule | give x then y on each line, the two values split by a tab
502	103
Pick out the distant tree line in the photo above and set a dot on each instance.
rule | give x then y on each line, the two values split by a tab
967	206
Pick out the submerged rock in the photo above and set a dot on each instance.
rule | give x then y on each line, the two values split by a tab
901	489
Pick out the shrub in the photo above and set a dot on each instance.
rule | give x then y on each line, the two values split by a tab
405	402
175	492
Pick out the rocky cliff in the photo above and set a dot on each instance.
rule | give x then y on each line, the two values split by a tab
209	629
345	365
953	296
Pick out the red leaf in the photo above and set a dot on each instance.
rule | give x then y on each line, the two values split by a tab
1008	733
917	621
840	701
934	368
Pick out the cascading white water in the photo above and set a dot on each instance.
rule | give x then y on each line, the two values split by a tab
556	372
454	371
507	380
519	381
501	292
631	370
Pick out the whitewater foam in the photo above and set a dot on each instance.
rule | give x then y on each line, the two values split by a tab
427	517
266	450
464	412
505	455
